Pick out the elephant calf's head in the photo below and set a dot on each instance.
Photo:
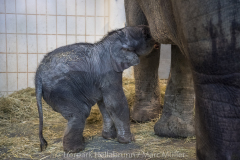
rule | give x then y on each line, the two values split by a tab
139	38
132	42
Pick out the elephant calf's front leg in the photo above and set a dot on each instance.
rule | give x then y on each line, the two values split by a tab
109	130
117	107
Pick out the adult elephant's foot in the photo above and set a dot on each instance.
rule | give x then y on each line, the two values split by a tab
173	126
145	113
177	119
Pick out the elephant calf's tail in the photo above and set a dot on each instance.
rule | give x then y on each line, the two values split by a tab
38	87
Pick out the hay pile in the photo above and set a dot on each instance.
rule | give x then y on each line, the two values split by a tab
19	125
18	107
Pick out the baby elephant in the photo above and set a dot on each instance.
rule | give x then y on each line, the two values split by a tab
73	78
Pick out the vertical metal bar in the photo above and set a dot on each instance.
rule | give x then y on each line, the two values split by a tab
75	21
16	41
95	20
46	29
56	24
104	17
66	20
85	20
37	32
26	38
6	44
109	15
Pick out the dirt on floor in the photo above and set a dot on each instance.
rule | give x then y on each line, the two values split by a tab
19	133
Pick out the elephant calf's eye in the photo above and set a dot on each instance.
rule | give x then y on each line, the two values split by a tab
129	49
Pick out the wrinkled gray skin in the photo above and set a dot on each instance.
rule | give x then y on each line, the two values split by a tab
207	33
73	78
177	118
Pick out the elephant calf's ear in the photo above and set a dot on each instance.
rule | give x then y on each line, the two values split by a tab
122	58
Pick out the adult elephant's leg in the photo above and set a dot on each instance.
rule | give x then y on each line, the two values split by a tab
147	91
213	41
217	108
147	99
177	116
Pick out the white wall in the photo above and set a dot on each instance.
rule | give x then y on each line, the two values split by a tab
117	14
31	28
165	61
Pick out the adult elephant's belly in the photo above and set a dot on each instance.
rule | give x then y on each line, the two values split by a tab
74	88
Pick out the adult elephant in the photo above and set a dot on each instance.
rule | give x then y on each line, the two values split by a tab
207	33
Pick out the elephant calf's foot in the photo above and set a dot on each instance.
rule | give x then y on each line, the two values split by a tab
73	145
126	139
109	134
173	126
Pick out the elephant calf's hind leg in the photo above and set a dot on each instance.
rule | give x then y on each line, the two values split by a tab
73	140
